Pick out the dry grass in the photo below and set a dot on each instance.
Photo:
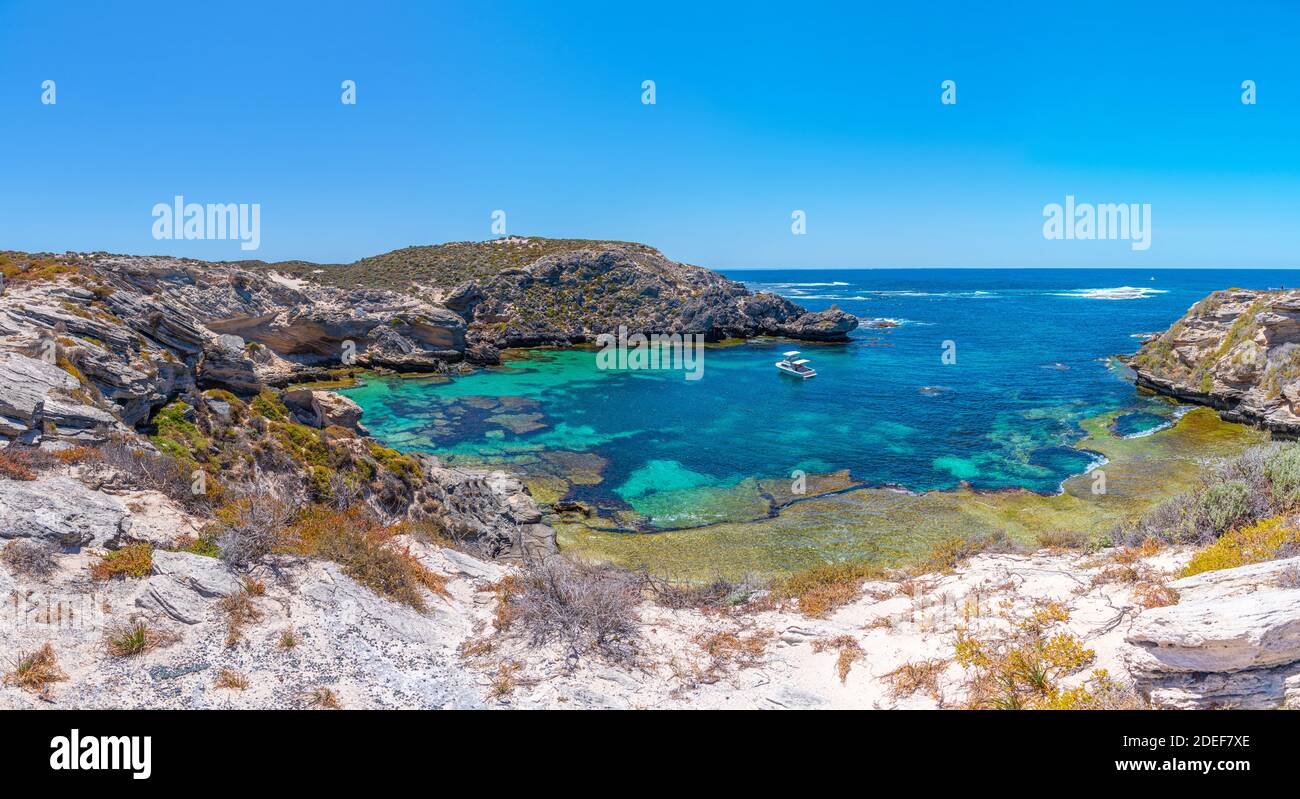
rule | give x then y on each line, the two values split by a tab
356	541
322	698
253	587
1154	594
34	671
822	589
229	678
132	560
727	650
912	678
29	558
288	639
850	652
240	611
505	680
134	638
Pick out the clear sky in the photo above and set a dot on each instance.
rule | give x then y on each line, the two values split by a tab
761	109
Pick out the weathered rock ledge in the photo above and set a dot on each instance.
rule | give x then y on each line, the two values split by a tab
1237	351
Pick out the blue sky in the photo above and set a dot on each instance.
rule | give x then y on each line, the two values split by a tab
535	109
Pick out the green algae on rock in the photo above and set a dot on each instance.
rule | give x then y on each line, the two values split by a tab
893	527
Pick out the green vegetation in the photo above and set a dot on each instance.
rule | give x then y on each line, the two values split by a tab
132	560
1266	539
21	266
442	265
1260	483
268	405
177	436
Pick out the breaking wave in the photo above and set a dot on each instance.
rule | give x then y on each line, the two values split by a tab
1120	293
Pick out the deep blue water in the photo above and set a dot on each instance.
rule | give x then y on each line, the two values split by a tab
1032	358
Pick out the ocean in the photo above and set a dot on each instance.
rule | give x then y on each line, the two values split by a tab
983	379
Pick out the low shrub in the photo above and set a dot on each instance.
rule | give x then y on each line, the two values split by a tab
1022	668
1282	467
727	650
29	558
251	524
914	677
132	560
1261	482
1267	539
164	473
1064	539
16	464
589	607
716	594
364	548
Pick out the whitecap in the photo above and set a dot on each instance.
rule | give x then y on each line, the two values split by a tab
795	285
1120	293
830	297
961	294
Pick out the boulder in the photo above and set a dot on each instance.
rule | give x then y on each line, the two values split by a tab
323	408
26	384
226	364
183	586
492	511
1233	647
60	511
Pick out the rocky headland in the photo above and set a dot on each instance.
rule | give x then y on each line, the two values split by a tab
1237	351
182	528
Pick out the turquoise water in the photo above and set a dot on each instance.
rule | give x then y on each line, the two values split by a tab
1029	357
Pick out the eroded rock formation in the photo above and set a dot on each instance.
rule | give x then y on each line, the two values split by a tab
1236	350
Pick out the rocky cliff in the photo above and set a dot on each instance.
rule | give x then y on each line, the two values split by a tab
95	348
1236	350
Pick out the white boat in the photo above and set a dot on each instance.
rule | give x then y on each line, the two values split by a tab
794	365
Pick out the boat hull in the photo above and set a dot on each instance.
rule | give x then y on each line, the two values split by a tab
790	370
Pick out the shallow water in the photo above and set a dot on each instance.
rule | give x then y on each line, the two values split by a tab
1029	359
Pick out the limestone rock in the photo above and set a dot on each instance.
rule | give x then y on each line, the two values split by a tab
493	511
183	584
1237	351
1232	648
578	295
60	511
324	408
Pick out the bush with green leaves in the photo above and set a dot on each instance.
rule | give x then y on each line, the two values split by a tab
1261	482
1282	466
